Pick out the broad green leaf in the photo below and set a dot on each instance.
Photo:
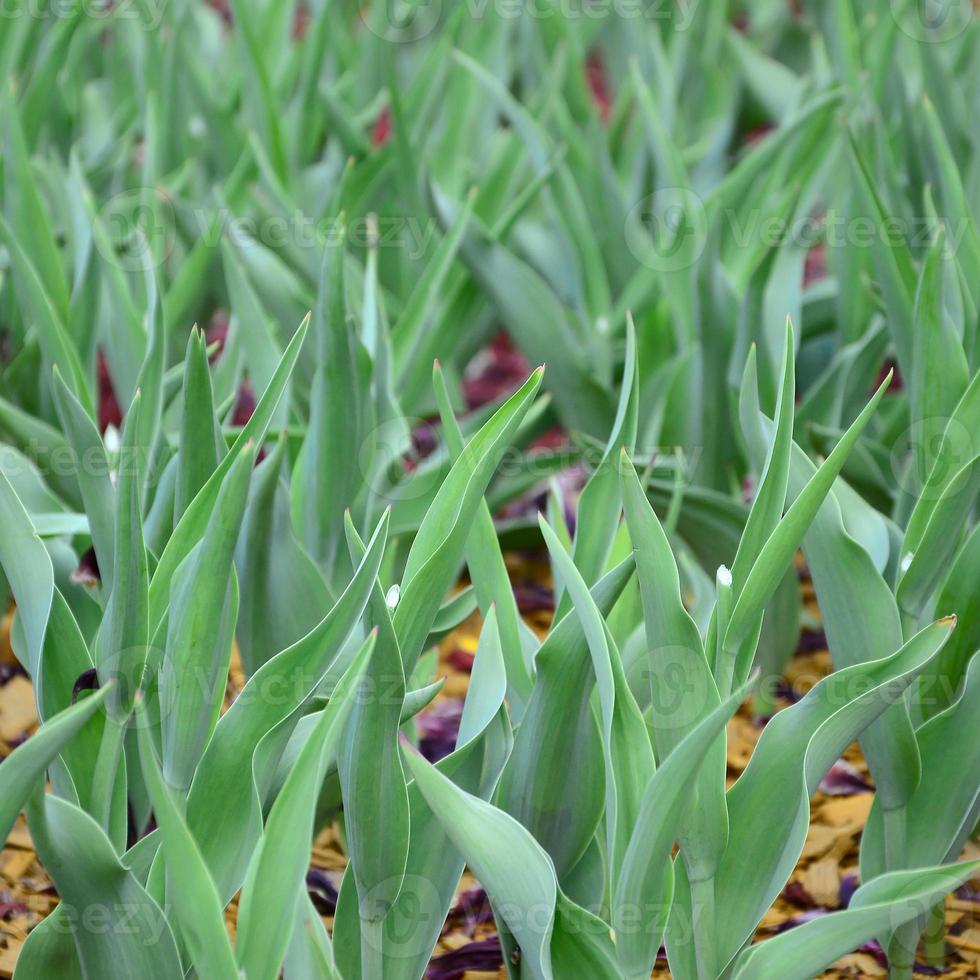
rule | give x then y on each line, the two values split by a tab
858	610
202	615
770	493
229	769
121	646
941	680
600	502
682	689
197	909
277	870
539	322
778	551
880	905
768	806
258	84
29	573
92	472
40	311
198	515
950	763
282	590
940	372
922	569
373	783
412	926
198	452
516	873
135	939
944	475
325	479
559	733
253	331
626	744
487	569
25	211
647	879
441	540
892	261
22	771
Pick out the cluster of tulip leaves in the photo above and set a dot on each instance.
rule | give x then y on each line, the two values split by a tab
419	186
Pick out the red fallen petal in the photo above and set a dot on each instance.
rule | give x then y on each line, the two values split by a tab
217	333
461	660
109	411
495	371
301	21
595	73
896	383
245	405
223	7
382	128
753	136
815	267
555	438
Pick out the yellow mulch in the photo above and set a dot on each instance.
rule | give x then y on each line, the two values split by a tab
829	855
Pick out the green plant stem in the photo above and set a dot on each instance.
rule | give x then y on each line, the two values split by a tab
703	924
901	949
895	838
726	673
935	941
372	939
106	769
901	953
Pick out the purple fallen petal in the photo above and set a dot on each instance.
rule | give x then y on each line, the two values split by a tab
87	572
795	892
874	948
484	954
472	909
843	780
811	641
322	891
438	728
11	908
848	886
799	920
787	692
533	596
86	681
8	671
